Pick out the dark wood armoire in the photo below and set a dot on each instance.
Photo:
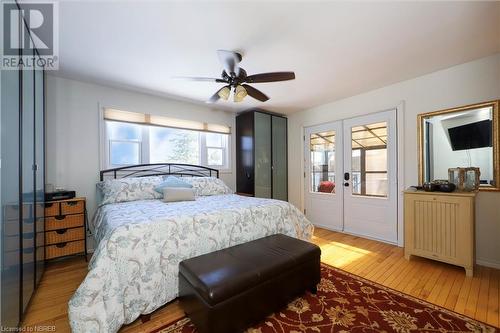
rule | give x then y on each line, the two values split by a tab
261	155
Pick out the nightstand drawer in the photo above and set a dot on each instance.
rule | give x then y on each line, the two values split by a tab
62	222
11	227
51	209
28	255
64	235
64	249
40	239
72	207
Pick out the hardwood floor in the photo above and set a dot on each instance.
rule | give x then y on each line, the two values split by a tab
438	283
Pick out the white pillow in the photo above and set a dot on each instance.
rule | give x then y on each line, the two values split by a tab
129	189
204	186
174	194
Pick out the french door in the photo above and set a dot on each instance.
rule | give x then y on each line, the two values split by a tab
324	168
351	175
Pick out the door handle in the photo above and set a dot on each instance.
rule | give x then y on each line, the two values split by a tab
347	176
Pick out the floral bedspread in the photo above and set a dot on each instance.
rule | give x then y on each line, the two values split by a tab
134	268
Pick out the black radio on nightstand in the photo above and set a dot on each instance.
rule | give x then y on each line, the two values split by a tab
59	195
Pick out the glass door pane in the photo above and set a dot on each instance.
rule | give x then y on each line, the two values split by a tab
9	198
369	160
262	155
322	169
280	180
40	174
28	183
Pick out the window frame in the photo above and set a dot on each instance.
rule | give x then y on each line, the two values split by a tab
204	151
144	147
109	149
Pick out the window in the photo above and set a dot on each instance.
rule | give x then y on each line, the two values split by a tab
369	160
170	145
322	149
124	143
215	148
131	143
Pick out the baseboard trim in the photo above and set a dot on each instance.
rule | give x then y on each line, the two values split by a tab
488	263
355	234
327	227
370	237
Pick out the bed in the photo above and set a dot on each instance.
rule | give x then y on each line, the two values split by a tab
134	269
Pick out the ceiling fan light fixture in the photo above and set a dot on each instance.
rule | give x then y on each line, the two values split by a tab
236	79
224	93
239	93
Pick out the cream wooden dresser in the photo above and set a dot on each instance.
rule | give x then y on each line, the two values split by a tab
440	226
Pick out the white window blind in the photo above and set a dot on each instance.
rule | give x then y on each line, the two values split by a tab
154	120
131	138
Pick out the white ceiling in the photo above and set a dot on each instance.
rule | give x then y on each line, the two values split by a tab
337	49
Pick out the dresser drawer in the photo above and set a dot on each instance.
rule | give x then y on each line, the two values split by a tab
40	224
72	207
13	243
11	228
28	255
40	239
64	249
62	222
40	253
51	209
11	259
40	210
11	212
64	235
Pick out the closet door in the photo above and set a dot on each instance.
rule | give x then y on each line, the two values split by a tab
28	184
9	197
262	137
39	174
245	171
279	167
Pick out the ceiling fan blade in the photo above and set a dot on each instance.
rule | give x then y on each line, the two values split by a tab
270	77
255	93
229	61
215	97
204	79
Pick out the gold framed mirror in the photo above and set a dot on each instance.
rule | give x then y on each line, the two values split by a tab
465	136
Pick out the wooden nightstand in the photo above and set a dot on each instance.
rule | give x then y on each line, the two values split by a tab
65	226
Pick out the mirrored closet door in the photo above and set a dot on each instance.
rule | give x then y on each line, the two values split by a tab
22	187
27	183
10	200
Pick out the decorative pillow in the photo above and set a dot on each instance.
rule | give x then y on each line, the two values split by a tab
174	194
204	186
129	189
172	181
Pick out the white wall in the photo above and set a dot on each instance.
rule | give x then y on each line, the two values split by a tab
469	83
72	133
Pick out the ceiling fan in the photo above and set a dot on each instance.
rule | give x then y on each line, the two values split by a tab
236	78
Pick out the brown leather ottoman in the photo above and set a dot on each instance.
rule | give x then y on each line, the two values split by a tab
228	290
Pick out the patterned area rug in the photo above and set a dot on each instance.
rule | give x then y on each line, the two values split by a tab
348	303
